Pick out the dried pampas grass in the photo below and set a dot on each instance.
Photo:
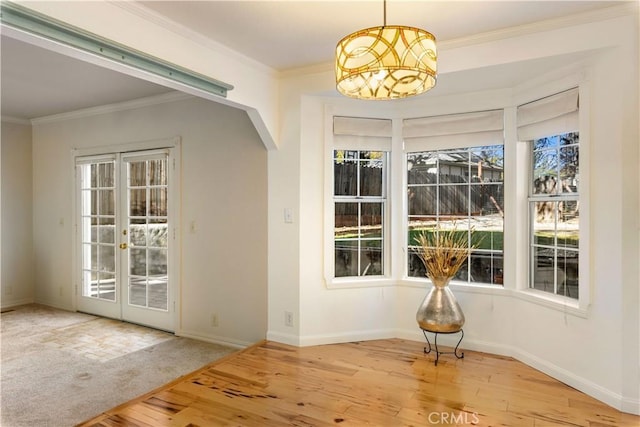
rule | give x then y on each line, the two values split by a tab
443	252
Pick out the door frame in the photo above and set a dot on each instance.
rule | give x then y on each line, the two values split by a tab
174	144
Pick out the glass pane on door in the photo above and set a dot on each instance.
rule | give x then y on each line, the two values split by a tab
97	221
148	232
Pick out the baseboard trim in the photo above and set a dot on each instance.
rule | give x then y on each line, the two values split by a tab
53	305
15	303
214	339
289	339
631	406
322	339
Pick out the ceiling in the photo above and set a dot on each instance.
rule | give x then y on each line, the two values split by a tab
282	35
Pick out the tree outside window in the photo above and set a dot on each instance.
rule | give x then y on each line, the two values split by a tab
554	211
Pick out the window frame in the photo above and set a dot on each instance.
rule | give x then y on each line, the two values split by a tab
523	222
532	200
516	180
358	199
347	282
468	185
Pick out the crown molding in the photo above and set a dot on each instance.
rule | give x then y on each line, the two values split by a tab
189	34
15	120
113	108
629	8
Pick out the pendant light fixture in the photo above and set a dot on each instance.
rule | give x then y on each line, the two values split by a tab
387	62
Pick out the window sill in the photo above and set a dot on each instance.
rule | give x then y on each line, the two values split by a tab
556	302
350	283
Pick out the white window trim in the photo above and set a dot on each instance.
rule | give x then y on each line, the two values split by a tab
516	239
329	253
578	307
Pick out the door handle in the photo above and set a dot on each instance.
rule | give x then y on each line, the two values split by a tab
123	246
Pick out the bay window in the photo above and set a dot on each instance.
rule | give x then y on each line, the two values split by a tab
448	171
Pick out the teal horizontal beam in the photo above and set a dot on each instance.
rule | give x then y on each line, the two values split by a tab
21	18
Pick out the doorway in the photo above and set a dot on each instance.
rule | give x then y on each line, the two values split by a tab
125	238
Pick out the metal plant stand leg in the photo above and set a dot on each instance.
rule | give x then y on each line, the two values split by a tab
438	353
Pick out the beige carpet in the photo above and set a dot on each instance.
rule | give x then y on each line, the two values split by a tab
60	368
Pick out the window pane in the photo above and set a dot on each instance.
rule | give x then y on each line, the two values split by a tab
106	288
106	175
486	267
568	265
371	220
158	230
453	166
486	199
158	294
137	262
345	174
106	230
545	170
569	169
346	258
416	266
371	256
106	202
90	256
158	172
454	200
346	220
568	227
544	214
423	200
138	202
487	164
94	176
138	232
371	173
158	202
137	174
544	269
422	168
138	291
157	262
106	258
92	197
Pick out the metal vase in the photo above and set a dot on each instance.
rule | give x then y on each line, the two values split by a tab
440	311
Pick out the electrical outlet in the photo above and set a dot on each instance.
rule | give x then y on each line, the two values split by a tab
214	320
61	291
288	318
9	290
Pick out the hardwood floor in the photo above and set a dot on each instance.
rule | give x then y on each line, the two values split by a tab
377	383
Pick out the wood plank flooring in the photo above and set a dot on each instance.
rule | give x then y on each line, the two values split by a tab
375	383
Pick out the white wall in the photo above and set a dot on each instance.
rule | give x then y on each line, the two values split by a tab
16	254
598	353
224	193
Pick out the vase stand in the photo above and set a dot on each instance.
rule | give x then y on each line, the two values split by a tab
438	352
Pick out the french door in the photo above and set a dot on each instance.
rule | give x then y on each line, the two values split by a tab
125	238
